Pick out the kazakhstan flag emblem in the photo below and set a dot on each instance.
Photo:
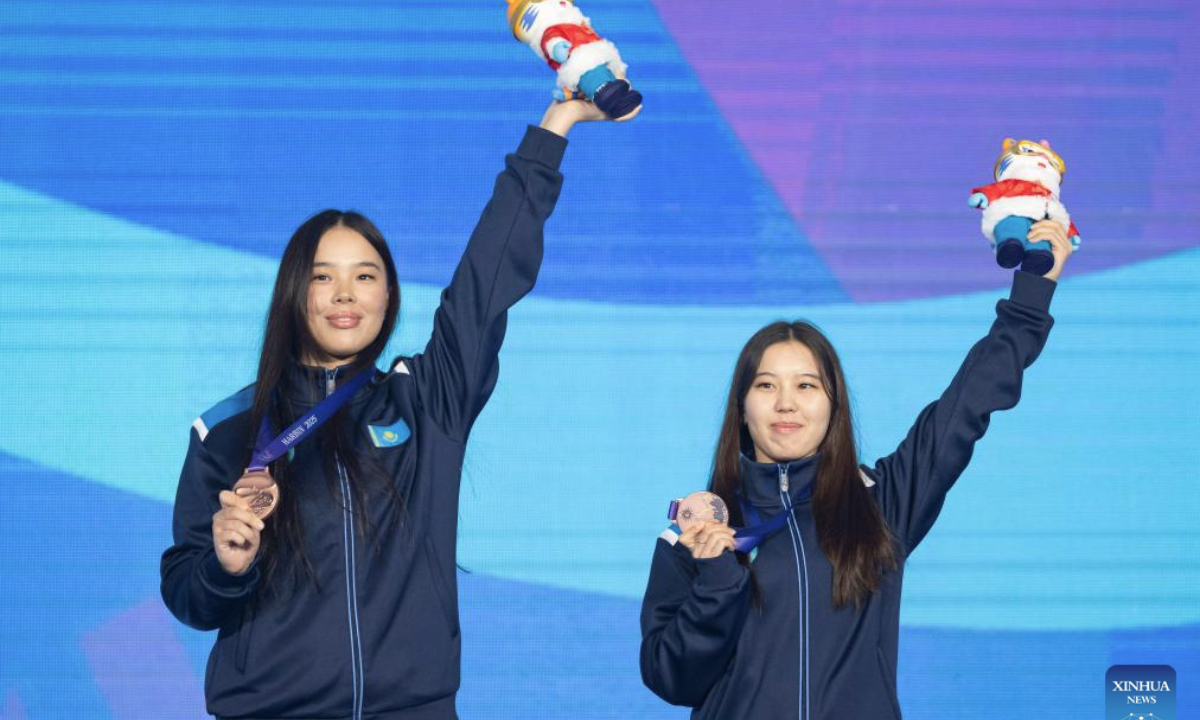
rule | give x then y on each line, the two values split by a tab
386	436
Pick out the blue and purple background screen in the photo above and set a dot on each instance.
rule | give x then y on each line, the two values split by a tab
794	159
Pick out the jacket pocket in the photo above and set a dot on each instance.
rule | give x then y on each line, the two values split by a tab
449	610
241	647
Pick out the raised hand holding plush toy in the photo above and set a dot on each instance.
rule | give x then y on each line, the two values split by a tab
1028	176
588	66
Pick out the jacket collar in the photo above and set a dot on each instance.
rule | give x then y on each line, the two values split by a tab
761	482
309	385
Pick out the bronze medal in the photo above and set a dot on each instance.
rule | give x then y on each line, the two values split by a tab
260	490
699	508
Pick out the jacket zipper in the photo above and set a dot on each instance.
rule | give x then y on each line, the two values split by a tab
802	589
357	671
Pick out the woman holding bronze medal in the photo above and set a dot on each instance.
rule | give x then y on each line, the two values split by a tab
796	612
316	517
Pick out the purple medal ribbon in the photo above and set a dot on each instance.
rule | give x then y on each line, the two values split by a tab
748	538
267	450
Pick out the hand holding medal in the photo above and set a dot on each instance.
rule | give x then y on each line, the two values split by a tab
259	490
237	533
703	520
236	526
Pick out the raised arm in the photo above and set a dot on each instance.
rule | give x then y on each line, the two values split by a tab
913	480
457	372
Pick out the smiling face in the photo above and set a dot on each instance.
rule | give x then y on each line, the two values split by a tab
347	297
1035	168
786	408
1027	160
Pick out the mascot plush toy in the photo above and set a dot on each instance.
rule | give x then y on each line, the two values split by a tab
1028	176
588	66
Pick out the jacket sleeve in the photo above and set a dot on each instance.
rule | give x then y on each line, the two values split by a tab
913	480
692	617
195	588
457	372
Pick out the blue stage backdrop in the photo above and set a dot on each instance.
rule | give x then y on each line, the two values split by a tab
794	159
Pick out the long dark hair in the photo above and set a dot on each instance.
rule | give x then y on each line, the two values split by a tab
850	527
286	341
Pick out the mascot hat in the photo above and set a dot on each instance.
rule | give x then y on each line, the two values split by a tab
521	15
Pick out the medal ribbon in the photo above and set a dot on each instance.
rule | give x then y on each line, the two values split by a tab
268	449
748	538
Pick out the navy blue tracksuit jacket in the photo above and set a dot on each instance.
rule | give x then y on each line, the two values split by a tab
378	636
704	646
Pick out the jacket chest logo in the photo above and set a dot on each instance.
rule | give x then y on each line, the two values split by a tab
386	436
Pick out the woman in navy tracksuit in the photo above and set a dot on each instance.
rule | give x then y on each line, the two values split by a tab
807	625
343	603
